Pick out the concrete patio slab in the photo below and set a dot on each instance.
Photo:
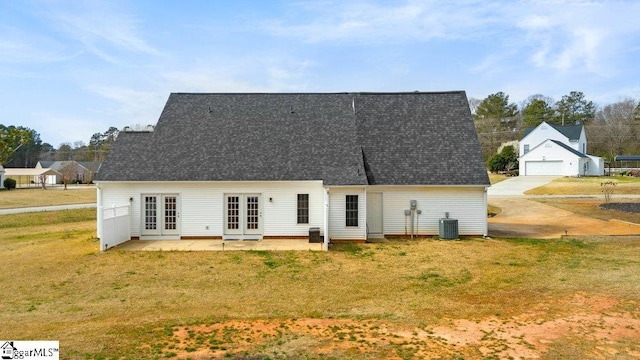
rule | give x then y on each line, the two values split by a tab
219	245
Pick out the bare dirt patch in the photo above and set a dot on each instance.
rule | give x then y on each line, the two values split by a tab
556	217
605	325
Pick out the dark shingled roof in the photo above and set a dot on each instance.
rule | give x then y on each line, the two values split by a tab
572	132
342	138
568	148
627	158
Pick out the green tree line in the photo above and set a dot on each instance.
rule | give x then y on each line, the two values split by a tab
21	147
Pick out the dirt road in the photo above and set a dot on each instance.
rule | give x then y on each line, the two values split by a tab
527	218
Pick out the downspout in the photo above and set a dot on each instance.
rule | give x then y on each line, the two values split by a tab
486	208
366	226
99	211
325	245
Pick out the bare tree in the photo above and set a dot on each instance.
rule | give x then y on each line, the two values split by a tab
43	181
613	128
473	104
69	172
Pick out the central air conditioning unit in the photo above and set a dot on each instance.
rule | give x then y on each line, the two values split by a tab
448	228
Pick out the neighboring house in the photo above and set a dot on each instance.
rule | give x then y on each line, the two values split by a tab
27	177
254	166
549	149
80	171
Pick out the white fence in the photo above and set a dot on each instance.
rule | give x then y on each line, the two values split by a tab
116	226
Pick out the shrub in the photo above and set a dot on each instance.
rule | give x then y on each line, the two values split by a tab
623	172
635	173
506	160
9	183
607	189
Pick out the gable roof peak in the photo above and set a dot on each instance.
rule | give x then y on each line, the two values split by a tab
572	132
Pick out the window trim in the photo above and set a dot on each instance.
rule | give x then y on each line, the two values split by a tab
352	213
302	209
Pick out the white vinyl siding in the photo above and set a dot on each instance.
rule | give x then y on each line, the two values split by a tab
202	204
466	204
202	207
546	132
542	133
550	158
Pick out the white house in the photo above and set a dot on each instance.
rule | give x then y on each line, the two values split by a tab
28	177
549	149
259	166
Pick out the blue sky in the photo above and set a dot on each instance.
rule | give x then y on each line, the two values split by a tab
69	69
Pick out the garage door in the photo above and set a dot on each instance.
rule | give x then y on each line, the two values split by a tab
543	168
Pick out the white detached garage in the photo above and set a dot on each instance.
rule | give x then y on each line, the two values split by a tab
260	166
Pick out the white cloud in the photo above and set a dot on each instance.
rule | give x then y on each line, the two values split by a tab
577	36
101	27
267	73
370	22
561	36
58	128
535	22
20	47
130	106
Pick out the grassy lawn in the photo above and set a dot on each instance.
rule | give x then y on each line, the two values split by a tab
401	299
17	198
588	186
496	178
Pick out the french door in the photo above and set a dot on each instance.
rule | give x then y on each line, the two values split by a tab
243	215
160	215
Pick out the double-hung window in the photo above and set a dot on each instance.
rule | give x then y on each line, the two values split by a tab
351	207
303	208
